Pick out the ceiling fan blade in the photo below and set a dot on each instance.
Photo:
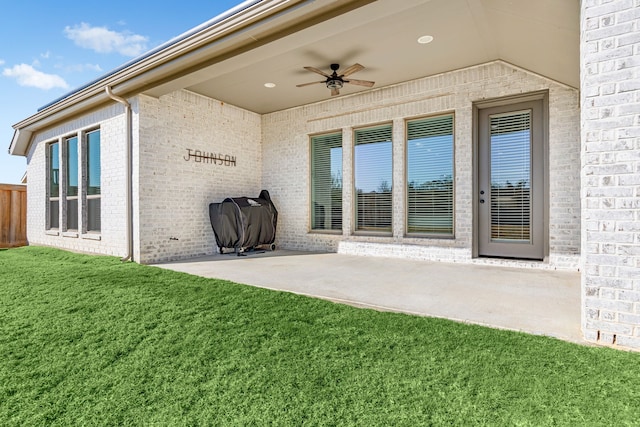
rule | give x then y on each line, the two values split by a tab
315	70
335	92
366	83
309	84
353	69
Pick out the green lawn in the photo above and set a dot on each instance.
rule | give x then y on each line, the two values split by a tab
91	341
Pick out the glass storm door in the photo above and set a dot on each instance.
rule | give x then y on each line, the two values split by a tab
511	181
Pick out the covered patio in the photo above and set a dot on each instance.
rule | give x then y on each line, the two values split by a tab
402	161
542	302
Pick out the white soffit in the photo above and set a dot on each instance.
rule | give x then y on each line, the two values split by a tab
541	36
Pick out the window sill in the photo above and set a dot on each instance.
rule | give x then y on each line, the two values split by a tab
91	236
364	233
72	234
430	236
329	232
52	232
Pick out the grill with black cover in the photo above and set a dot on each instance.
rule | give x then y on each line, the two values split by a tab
244	223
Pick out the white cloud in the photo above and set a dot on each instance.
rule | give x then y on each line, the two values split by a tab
1	62
104	40
79	68
90	67
45	55
26	75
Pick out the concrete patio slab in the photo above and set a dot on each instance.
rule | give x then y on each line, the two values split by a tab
534	301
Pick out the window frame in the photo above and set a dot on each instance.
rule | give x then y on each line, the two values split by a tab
313	229
81	198
86	178
66	198
49	198
371	232
422	234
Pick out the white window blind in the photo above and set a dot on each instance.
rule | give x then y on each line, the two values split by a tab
430	176
511	176
373	178
326	182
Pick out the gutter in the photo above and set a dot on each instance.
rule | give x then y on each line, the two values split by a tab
129	170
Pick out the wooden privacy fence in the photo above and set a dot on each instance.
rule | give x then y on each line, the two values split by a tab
13	215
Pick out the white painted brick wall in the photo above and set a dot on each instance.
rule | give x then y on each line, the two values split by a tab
174	194
286	144
171	195
111	121
610	99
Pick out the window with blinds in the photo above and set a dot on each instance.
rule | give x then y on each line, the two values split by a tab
511	176
326	182
373	172
430	176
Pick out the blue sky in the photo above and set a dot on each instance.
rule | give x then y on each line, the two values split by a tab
50	48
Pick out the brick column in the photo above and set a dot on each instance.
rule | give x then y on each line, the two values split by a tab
399	179
610	117
347	179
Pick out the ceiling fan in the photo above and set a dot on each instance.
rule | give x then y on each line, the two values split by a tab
336	80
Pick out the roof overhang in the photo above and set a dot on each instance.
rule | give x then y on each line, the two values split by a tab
250	25
231	57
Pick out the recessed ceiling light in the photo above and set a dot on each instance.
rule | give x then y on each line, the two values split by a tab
270	85
425	39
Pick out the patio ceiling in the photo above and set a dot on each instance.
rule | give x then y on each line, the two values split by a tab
541	36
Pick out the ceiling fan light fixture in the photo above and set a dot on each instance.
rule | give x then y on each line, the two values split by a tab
334	84
425	39
336	80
